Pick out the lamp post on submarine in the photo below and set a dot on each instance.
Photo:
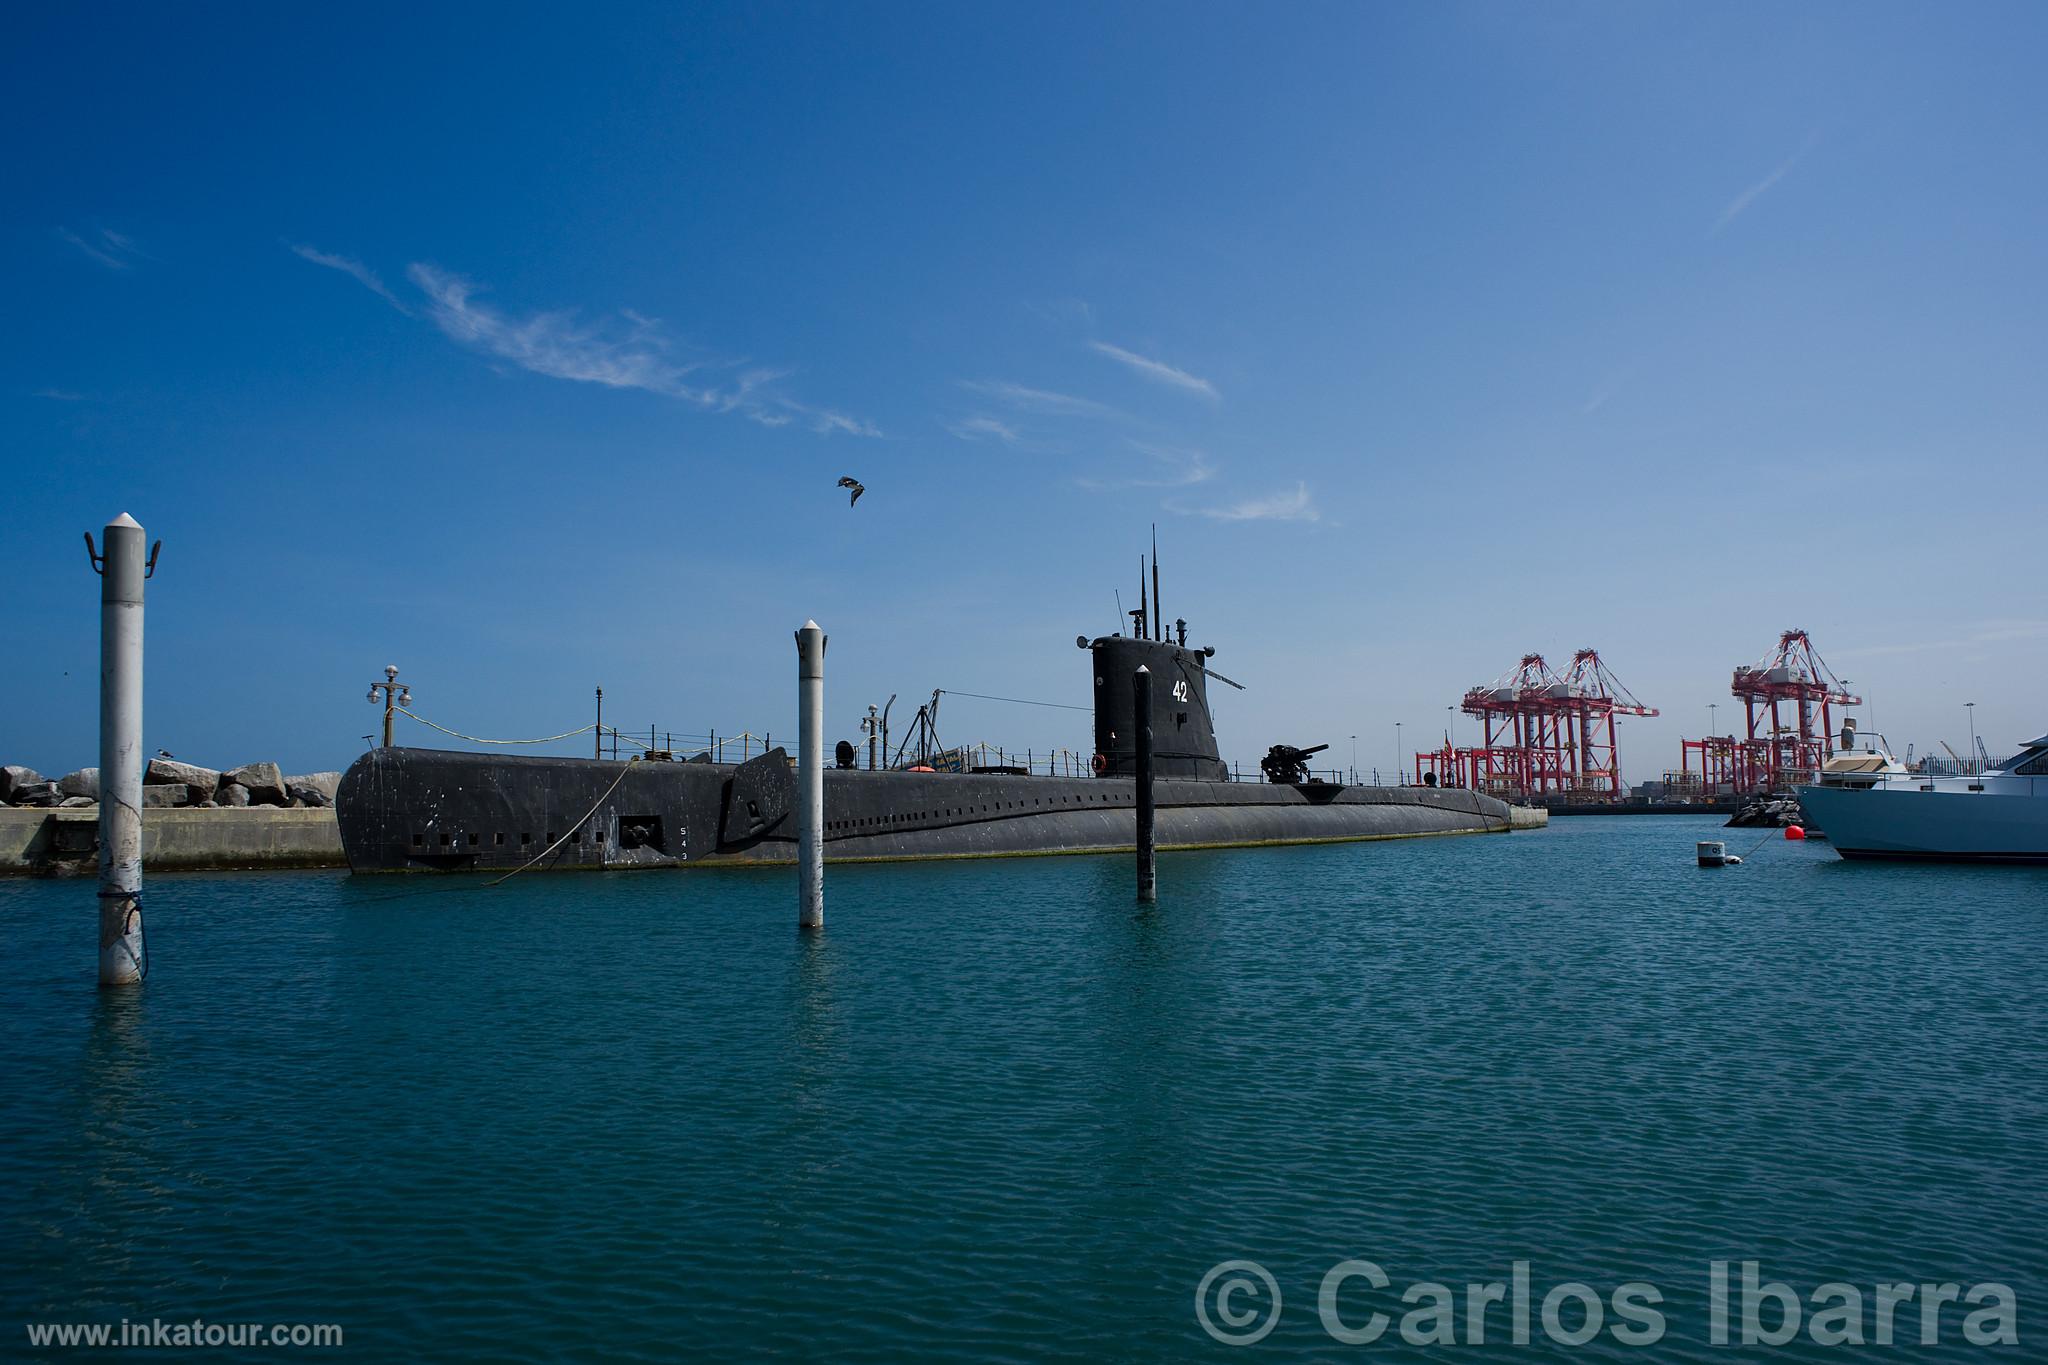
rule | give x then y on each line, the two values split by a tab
393	696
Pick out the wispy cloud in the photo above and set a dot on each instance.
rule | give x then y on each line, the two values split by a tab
1171	467
1741	202
354	269
742	390
1288	505
1038	400
625	351
1156	370
111	249
59	395
556	344
985	428
825	421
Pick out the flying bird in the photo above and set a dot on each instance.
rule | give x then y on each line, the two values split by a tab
856	485
165	753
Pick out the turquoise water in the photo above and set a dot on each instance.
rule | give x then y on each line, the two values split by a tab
998	1111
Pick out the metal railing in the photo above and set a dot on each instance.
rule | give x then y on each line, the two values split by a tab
964	758
676	744
618	743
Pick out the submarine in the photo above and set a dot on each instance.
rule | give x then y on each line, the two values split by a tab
427	810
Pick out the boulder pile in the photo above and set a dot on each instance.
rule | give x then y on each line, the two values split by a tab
168	782
1768	812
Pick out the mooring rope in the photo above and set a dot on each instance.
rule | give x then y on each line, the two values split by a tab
133	921
142	936
571	830
1014	701
477	739
1759	844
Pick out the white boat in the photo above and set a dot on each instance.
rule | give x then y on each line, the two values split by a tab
1870	806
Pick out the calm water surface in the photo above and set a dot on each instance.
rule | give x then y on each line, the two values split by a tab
998	1111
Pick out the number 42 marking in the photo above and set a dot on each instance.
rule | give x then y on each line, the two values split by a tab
1180	690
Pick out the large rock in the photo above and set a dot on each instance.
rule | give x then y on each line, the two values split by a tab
1767	812
84	782
74	802
168	772
231	794
324	783
36	794
305	795
263	782
167	795
15	778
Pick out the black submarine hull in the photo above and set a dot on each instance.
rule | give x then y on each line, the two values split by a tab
405	810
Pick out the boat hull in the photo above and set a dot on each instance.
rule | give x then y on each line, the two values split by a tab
1930	826
434	810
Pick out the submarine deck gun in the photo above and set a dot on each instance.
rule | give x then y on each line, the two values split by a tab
1285	765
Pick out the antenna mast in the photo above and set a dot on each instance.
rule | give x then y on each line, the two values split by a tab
1158	612
1143	617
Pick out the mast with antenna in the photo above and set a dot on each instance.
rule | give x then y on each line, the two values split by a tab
1158	617
1142	618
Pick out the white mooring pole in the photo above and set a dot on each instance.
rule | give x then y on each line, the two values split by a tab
121	574
810	776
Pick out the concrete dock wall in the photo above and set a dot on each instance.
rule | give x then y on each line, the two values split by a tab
61	842
1527	817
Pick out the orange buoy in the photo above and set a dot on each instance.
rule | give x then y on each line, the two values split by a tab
1794	833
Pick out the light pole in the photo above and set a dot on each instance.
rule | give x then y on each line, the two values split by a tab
1400	759
1971	707
394	696
1713	725
1354	760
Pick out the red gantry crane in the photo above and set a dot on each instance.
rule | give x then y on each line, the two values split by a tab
1596	697
1542	735
1787	698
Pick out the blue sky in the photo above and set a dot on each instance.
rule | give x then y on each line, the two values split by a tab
523	347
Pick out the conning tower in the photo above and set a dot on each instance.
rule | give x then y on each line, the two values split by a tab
1183	732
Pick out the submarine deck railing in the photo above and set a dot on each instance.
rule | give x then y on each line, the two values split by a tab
1060	762
618	743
